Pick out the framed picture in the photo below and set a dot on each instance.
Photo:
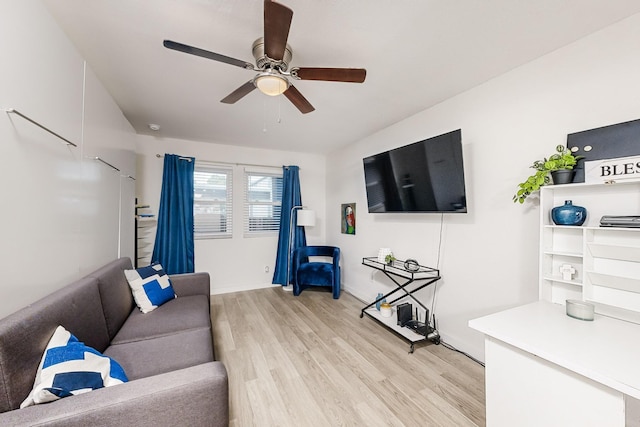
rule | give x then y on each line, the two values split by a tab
348	218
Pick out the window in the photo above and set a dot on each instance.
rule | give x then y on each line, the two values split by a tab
262	202
212	202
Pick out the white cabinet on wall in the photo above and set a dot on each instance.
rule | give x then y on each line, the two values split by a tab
606	260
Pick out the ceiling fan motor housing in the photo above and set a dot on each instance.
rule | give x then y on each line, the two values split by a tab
263	61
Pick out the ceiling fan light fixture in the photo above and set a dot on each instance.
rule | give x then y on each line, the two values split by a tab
271	84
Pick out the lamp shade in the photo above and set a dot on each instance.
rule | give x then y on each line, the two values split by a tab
306	218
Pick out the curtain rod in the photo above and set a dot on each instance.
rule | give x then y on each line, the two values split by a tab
229	163
180	157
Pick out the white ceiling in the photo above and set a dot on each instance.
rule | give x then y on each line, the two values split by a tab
417	53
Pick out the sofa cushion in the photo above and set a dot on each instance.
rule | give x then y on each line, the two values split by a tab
144	358
68	367
115	294
25	335
150	286
180	314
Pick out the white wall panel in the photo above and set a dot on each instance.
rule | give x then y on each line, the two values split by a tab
103	137
41	178
60	212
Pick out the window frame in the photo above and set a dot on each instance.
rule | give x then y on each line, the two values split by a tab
199	230
272	223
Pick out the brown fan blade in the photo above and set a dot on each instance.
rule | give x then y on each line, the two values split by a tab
350	75
239	93
206	54
298	100
277	21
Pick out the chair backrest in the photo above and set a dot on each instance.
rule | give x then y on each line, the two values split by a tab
328	251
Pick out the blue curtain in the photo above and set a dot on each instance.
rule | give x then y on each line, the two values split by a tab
173	247
290	198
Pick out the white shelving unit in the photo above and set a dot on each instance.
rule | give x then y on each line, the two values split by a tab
145	225
606	259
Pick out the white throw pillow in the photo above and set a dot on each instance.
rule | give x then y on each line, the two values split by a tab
68	367
150	286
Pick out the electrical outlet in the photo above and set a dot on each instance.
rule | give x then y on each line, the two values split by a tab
266	268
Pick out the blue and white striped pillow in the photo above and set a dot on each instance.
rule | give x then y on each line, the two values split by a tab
150	286
68	368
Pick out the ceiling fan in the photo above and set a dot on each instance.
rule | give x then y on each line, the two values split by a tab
273	55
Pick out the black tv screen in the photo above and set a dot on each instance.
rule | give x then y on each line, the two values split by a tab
426	176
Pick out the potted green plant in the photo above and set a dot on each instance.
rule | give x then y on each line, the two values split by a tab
558	166
389	259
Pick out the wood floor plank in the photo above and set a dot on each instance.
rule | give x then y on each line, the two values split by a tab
312	361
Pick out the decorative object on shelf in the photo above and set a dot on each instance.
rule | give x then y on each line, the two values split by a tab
382	254
380	300
562	176
411	265
579	309
545	169
567	271
568	214
610	171
385	310
389	259
607	142
348	223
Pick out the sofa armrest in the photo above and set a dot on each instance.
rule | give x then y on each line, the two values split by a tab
194	396
191	284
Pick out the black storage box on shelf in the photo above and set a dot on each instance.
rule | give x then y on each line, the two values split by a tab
404	313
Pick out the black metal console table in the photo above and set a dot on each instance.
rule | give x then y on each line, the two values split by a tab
412	281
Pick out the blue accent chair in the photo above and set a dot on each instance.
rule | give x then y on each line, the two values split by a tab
306	273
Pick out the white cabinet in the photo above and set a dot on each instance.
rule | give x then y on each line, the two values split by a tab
605	260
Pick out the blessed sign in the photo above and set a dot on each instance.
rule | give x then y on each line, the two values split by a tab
612	170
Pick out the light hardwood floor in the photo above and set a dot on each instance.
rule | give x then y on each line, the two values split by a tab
312	361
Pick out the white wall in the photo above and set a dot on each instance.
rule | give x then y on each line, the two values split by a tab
238	263
62	213
489	257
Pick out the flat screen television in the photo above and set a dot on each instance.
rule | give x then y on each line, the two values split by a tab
426	176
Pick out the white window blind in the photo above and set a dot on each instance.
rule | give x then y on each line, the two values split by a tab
262	202
213	201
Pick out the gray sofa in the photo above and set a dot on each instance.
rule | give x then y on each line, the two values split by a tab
167	355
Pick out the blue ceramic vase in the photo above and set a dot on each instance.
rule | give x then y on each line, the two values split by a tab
568	214
380	300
